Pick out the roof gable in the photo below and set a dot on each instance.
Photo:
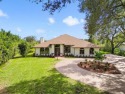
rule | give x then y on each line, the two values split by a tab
67	40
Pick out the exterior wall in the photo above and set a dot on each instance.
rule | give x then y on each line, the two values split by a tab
72	50
76	51
52	48
61	49
122	47
37	51
86	51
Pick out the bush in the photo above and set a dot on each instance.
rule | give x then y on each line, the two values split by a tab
23	47
122	53
119	52
99	55
103	52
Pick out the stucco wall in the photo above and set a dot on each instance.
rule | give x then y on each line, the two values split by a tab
61	49
77	51
122	47
72	50
86	51
37	51
52	48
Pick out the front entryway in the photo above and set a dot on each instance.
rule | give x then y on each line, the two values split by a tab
57	50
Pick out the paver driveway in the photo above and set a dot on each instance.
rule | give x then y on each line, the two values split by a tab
114	83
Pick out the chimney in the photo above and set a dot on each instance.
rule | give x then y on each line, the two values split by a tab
41	40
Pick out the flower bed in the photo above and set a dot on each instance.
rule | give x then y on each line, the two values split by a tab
99	67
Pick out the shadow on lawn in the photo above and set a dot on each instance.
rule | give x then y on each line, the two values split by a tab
53	84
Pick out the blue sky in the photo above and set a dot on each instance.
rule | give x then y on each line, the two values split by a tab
25	18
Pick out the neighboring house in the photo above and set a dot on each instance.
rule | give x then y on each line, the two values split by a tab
122	46
66	45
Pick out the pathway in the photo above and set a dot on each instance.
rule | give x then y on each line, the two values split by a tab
115	84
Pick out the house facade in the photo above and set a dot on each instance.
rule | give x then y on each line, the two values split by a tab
65	45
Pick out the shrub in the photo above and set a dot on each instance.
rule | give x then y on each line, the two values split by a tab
23	47
103	52
119	52
99	55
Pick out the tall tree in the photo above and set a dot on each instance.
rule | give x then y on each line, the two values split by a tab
23	47
112	34
101	12
30	38
105	20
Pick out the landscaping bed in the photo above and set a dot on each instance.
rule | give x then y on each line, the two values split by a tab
99	67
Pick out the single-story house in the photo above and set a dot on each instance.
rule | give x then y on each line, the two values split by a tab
122	46
65	45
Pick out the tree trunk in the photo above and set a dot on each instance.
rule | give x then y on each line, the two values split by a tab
112	47
112	51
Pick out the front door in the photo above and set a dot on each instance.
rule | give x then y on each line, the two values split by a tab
57	50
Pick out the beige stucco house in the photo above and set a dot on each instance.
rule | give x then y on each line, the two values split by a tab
65	45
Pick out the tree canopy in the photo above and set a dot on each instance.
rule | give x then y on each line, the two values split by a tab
105	20
11	45
8	45
52	5
30	38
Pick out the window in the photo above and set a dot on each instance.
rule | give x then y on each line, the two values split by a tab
81	50
91	51
67	49
41	50
46	50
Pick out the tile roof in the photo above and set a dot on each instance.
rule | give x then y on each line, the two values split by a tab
68	40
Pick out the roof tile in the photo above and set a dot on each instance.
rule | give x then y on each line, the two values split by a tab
67	40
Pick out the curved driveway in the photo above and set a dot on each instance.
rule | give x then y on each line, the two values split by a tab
109	82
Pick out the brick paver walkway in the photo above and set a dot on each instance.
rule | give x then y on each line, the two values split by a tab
114	83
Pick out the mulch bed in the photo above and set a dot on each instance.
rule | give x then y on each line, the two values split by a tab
99	67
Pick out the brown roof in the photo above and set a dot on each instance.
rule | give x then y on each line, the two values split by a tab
67	40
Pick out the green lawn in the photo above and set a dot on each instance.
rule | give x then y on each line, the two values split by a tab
34	75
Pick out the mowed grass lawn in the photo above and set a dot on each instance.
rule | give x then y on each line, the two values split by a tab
32	75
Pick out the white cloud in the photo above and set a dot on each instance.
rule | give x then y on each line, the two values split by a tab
51	20
40	31
2	14
70	21
18	29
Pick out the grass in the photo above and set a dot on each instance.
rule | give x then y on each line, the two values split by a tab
32	75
